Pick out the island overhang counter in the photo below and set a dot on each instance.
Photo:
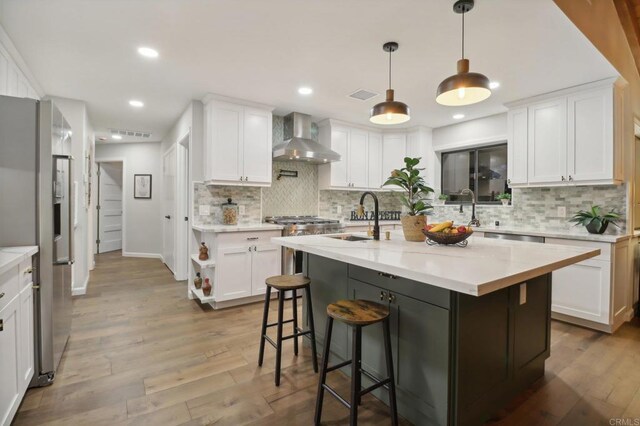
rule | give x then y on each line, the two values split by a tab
470	326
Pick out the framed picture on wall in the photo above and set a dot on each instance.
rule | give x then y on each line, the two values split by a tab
142	186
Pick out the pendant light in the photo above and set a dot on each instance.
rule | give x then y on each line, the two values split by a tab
463	88
390	111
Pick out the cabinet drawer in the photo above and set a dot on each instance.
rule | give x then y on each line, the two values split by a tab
26	273
9	286
605	248
417	290
242	238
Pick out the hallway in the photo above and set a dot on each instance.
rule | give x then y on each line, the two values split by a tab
141	353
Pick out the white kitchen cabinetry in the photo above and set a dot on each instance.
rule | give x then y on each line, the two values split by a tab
360	157
571	137
594	292
238	266
16	338
394	149
238	144
12	80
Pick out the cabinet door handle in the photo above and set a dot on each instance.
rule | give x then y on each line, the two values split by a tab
250	248
563	179
382	295
508	180
240	178
167	217
570	177
392	297
1	325
1	295
252	238
382	274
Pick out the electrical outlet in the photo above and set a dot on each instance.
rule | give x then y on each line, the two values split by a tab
241	209
204	210
338	209
562	211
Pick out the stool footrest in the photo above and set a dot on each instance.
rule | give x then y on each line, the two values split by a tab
275	323
375	386
337	366
375	379
296	334
336	395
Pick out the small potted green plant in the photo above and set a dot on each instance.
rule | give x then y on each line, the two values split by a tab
505	197
414	198
442	199
594	220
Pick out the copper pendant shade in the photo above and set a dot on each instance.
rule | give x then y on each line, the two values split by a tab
390	111
463	88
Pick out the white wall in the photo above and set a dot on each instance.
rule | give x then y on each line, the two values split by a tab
142	218
82	138
191	119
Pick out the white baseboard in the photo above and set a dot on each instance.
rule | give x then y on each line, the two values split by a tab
82	290
145	255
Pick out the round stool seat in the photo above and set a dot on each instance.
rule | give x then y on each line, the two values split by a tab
288	282
357	312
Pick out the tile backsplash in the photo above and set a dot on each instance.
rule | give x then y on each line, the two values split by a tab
533	207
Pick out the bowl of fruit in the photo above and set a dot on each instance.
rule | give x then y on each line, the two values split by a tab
447	233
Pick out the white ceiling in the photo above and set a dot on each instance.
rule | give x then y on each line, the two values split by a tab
264	50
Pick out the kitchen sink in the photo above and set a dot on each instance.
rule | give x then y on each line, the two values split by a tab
349	238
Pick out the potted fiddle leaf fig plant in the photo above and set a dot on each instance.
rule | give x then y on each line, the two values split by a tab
594	220
414	198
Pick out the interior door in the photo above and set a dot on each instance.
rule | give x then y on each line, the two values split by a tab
110	211
169	207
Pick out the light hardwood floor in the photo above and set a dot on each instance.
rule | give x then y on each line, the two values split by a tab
141	353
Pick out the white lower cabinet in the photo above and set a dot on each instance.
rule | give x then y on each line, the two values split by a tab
10	382
16	338
239	265
597	292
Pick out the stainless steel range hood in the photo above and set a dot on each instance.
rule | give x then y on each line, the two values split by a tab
298	145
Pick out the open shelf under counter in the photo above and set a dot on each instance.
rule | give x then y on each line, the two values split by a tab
200	295
209	263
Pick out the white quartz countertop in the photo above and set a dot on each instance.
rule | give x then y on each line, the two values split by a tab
484	266
241	227
12	256
577	233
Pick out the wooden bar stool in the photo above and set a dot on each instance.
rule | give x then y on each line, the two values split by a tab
284	283
357	314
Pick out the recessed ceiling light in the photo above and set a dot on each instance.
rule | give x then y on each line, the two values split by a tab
116	137
148	52
494	85
135	103
305	90
458	116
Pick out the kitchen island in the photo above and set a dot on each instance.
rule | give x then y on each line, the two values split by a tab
470	326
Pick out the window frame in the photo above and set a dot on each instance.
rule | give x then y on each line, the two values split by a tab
475	171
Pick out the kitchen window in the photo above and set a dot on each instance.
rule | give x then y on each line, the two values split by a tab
483	170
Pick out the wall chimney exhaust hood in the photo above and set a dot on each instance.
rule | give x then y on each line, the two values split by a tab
298	145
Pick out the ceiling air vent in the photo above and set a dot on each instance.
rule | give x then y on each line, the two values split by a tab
134	133
363	95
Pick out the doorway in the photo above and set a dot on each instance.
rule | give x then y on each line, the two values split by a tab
169	166
109	207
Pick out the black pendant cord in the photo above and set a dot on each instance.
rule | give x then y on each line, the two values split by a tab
463	35
390	68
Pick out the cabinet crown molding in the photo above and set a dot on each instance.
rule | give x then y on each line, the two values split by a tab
607	82
220	98
395	130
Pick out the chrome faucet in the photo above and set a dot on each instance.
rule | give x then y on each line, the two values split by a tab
474	220
376	224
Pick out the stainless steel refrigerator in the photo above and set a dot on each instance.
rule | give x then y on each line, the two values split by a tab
36	208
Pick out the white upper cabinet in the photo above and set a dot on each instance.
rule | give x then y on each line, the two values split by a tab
547	141
12	80
394	149
590	137
359	164
571	138
238	142
517	146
